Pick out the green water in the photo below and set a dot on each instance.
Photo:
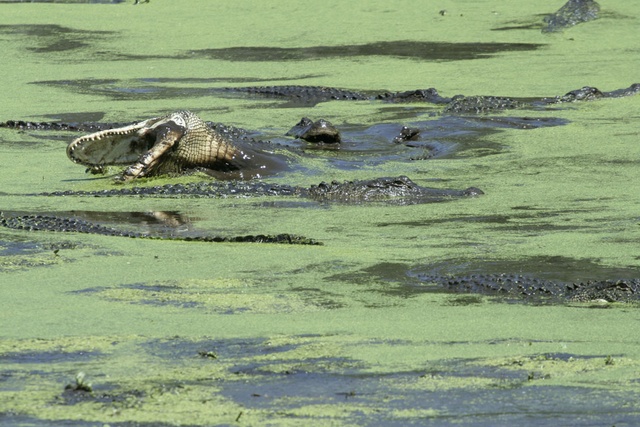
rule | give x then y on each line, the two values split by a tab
336	334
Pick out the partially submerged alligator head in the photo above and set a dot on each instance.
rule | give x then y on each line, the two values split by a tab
170	144
321	131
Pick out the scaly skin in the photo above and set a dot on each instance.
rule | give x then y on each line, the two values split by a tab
321	131
573	12
50	222
535	289
164	145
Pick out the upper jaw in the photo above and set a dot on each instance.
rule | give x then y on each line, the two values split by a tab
117	146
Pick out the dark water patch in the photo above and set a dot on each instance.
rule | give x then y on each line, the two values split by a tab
19	247
503	402
235	351
52	141
47	357
426	51
414	50
91	87
469	136
329	267
52	38
288	204
533	24
464	300
153	294
157	294
439	137
538	227
319	297
519	122
488	219
106	394
175	294
533	222
376	143
79	117
308	365
89	291
19	253
389	278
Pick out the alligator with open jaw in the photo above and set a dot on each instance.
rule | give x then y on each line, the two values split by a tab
171	144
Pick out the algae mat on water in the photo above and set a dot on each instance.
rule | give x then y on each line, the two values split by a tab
192	333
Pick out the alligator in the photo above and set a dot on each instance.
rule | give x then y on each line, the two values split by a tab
181	142
321	131
171	144
58	223
395	190
406	134
572	13
516	286
166	145
459	104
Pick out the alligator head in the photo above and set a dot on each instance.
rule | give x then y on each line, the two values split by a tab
168	144
320	131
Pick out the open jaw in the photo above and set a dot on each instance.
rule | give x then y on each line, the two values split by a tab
121	146
141	145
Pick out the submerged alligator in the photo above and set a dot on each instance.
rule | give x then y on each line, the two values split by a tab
321	131
459	104
50	222
534	289
573	12
399	190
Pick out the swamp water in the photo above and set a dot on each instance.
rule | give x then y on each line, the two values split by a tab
188	333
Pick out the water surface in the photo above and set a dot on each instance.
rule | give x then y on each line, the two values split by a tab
190	333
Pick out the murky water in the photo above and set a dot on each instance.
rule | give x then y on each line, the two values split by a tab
194	333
